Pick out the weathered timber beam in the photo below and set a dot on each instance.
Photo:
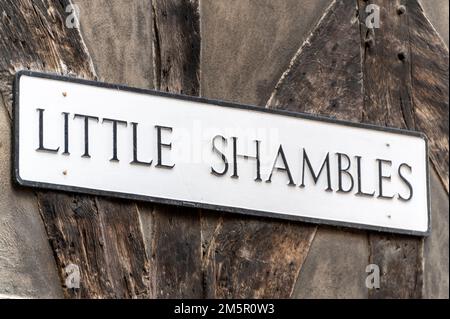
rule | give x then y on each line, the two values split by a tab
174	233
189	248
390	62
430	76
102	237
324	78
255	258
386	102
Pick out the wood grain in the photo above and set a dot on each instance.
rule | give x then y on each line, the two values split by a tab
247	45
429	75
387	68
176	47
400	259
388	102
396	75
248	258
255	258
406	76
392	57
325	75
98	237
325	78
175	234
118	34
33	36
102	237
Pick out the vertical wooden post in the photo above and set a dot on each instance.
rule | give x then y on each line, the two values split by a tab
175	232
391	60
100	236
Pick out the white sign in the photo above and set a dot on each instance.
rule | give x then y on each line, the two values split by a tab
95	138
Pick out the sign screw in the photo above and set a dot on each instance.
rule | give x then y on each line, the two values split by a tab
64	94
65	172
369	40
401	10
402	56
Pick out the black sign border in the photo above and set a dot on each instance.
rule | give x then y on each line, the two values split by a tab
229	209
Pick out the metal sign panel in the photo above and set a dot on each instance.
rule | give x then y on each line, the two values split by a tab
95	138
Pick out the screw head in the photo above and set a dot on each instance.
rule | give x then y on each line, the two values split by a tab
369	42
402	56
401	9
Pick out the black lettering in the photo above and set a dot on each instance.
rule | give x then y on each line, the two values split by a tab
161	145
66	133
135	151
325	164
41	134
246	157
345	171
86	131
258	162
382	177
407	183
360	191
114	125
285	168
235	174
224	158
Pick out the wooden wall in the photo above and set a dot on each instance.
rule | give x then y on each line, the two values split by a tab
248	52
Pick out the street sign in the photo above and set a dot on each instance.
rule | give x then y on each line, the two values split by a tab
89	137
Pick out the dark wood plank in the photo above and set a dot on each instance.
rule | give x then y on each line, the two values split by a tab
388	101
25	254
175	247
430	76
176	32
98	237
406	76
103	238
257	258
33	36
205	254
325	78
393	62
325	75
387	68
175	233
400	259
436	247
